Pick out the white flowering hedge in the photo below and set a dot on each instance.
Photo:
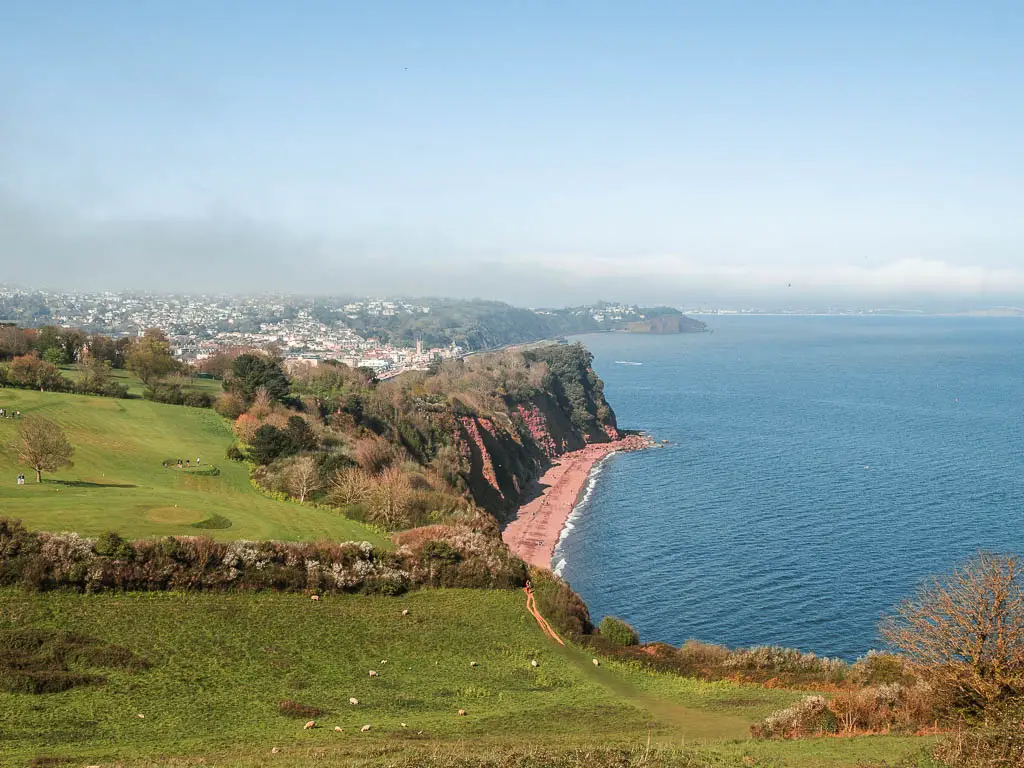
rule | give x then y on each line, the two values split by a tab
40	560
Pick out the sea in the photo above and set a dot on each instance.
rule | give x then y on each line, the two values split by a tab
817	470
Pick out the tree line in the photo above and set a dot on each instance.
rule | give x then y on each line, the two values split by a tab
33	358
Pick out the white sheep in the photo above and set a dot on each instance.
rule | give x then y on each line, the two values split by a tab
353	701
373	673
364	729
309	726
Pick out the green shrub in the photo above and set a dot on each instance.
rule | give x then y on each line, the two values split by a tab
441	550
270	443
173	393
618	631
110	544
563	608
877	668
229	405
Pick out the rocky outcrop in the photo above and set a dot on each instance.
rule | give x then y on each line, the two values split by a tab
668	324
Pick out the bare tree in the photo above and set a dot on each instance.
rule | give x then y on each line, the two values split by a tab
965	631
352	485
43	446
391	499
304	477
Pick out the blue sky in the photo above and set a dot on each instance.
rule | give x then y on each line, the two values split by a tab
720	152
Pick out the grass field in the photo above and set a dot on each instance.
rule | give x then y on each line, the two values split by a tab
134	384
118	481
222	663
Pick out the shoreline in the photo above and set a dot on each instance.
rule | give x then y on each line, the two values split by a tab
537	528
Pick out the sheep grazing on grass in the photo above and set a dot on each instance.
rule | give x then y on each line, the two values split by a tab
373	673
597	663
404	725
309	726
315	598
405	611
364	729
534	663
473	664
338	728
462	713
353	701
275	751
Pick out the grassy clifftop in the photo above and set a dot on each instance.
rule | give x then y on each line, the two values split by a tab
219	667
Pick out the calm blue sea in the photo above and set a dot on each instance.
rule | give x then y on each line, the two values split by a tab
820	467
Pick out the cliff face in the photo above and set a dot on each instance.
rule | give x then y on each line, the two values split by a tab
505	456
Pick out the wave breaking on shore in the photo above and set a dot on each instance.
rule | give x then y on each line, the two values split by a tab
577	512
561	493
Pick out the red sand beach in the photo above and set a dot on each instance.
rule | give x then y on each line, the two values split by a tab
535	531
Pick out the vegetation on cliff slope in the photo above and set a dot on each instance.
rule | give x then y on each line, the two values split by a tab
425	447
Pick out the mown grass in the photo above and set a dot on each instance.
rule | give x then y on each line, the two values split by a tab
118	481
135	386
222	664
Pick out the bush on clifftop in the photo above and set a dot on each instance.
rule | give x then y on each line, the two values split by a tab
618	631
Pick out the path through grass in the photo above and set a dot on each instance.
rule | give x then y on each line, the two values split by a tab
222	663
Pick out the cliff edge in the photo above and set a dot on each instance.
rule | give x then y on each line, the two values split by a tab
565	412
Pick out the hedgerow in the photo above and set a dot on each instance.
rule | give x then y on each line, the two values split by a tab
42	561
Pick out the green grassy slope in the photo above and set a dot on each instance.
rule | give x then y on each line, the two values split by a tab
134	384
118	481
222	663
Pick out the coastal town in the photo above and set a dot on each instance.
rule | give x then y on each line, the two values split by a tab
303	332
386	335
